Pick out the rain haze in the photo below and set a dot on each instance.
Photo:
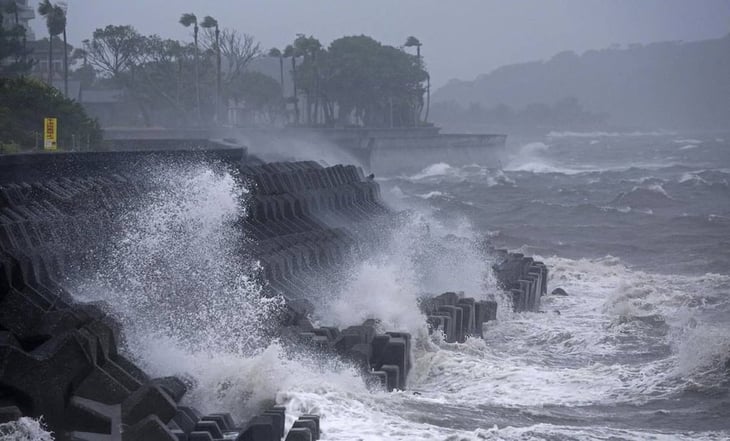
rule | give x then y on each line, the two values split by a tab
460	39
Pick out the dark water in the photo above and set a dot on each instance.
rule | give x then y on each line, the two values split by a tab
636	228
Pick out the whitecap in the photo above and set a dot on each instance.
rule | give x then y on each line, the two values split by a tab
687	141
435	170
430	194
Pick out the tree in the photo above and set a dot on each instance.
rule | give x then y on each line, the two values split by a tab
209	23
411	42
307	79
56	24
188	20
260	93
291	51
237	50
24	102
114	50
14	60
376	84
274	52
62	9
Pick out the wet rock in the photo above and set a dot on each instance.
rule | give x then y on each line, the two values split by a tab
558	292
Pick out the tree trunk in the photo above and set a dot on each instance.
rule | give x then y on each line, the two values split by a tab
294	82
50	60
65	64
197	74
428	97
281	73
218	73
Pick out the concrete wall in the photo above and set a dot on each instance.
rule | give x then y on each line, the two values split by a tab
381	151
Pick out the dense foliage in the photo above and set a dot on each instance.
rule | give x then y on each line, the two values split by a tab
359	80
24	102
161	77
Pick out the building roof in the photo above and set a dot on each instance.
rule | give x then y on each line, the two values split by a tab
41	47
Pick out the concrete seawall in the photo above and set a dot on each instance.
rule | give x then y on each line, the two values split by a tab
377	150
59	358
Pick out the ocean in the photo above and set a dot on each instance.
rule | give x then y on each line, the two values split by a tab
635	227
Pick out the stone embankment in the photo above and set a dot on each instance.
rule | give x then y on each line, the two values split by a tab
61	359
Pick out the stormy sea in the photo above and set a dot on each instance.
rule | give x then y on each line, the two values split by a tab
634	227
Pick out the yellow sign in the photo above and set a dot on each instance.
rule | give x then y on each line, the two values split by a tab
50	133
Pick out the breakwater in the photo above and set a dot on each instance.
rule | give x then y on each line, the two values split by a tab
62	359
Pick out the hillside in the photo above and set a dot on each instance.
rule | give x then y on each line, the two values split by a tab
671	85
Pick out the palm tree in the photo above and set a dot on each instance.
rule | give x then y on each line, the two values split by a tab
56	24
308	48
413	41
274	52
410	42
290	51
188	20
210	22
12	8
62	8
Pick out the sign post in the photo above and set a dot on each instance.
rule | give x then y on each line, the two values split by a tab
50	133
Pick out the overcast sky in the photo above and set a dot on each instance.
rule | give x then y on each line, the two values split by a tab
461	38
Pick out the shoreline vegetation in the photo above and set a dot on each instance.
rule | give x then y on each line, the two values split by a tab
221	77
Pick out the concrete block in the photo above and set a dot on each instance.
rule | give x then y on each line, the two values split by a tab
260	428
393	375
200	435
308	424
150	428
149	399
173	386
184	421
208	426
315	418
279	420
224	420
299	434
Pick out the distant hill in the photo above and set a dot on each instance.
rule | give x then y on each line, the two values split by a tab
670	85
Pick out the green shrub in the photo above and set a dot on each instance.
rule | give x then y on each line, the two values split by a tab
9	147
25	102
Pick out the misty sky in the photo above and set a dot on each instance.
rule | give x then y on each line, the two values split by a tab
461	39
